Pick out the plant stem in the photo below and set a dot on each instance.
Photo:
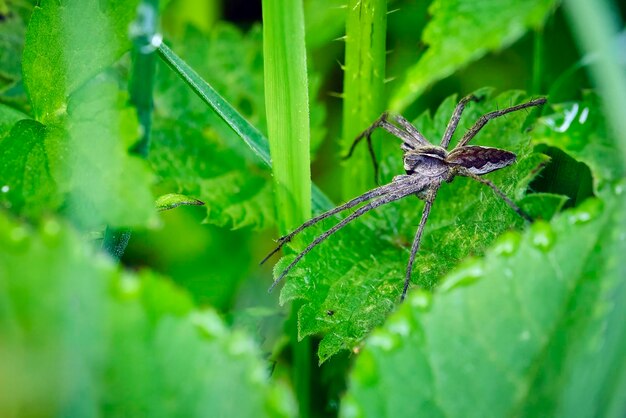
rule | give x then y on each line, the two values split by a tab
363	85
538	52
287	108
596	29
144	33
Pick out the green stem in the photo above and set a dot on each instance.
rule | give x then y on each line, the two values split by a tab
538	53
143	31
287	108
364	79
596	29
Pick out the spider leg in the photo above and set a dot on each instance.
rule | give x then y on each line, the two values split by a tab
455	118
482	121
430	198
390	197
408	126
398	182
499	192
382	122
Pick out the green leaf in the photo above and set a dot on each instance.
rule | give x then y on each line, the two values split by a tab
535	322
358	273
8	117
86	339
12	30
579	129
68	43
28	184
80	165
174	200
462	31
199	152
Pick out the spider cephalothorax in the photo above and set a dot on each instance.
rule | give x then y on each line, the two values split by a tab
427	166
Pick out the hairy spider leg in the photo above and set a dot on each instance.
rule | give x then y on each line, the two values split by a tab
379	191
412	130
512	205
482	121
407	136
455	118
430	198
398	194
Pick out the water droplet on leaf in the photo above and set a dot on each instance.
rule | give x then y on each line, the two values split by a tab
466	274
542	236
507	244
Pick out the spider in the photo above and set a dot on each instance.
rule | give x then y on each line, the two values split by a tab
427	166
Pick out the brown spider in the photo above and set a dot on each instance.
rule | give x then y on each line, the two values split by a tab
426	166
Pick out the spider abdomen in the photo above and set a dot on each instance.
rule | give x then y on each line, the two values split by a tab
480	160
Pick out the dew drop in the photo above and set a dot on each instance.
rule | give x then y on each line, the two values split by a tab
51	228
129	286
384	340
542	236
399	325
18	234
467	274
507	244
420	299
585	212
350	408
5	188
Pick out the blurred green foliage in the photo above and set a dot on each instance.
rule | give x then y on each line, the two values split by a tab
509	319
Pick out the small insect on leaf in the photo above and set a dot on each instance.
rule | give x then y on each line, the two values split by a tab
427	167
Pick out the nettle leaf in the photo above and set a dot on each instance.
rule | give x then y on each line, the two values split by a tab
12	31
359	272
538	322
194	151
80	164
9	117
84	338
69	42
579	129
462	31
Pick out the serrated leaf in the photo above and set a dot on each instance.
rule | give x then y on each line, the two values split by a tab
80	164
9	117
462	31
534	323
173	200
69	42
28	184
359	272
189	149
12	30
85	339
579	129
